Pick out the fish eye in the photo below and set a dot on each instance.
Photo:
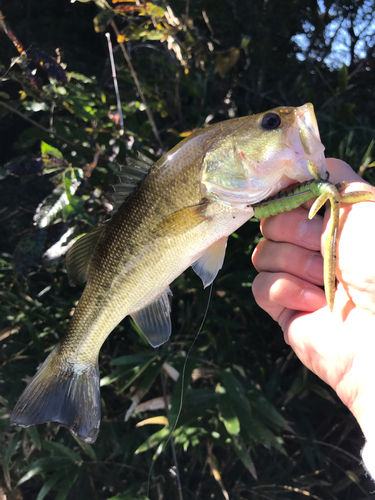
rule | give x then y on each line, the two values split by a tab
271	121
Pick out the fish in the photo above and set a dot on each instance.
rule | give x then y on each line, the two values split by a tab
168	215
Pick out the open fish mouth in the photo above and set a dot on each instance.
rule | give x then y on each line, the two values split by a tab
307	116
305	145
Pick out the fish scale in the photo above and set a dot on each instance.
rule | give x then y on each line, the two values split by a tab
168	216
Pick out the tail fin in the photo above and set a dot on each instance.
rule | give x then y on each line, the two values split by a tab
67	393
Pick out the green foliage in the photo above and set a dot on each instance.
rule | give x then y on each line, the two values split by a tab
247	420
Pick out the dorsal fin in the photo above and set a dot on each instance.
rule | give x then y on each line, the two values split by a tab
80	254
130	177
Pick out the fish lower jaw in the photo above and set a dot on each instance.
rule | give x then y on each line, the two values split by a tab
234	199
302	171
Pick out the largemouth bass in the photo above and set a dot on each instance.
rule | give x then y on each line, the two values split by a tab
176	213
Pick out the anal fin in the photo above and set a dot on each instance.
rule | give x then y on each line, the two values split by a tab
154	320
210	263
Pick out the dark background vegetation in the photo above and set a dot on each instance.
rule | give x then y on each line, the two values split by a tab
254	423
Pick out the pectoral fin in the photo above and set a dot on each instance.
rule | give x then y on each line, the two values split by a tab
154	320
210	263
182	220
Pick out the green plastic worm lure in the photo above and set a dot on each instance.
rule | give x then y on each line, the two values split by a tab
323	190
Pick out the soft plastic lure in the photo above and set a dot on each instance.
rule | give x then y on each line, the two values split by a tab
323	190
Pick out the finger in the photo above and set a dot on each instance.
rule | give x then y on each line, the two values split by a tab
274	292
341	171
294	227
292	259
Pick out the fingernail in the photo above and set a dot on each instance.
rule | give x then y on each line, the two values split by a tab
310	231
314	267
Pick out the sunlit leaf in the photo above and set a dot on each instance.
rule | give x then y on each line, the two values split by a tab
224	61
154	10
153	440
228	415
102	20
153	420
48	150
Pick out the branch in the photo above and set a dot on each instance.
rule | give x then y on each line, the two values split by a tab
136	81
48	132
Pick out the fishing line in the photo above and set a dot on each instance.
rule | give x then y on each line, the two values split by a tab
170	437
178	479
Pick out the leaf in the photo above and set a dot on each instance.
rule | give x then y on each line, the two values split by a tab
128	9
48	64
34	435
149	375
87	448
196	404
235	389
129	496
180	391
228	416
50	208
29	250
115	375
133	359
102	20
245	41
153	440
266	409
42	466
60	449
12	446
50	483
224	61
139	371
66	485
342	77
152	421
48	150
242	453
366	159
154	10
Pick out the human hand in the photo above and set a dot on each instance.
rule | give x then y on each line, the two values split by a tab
339	347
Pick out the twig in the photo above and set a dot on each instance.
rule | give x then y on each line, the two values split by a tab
48	132
114	76
136	81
